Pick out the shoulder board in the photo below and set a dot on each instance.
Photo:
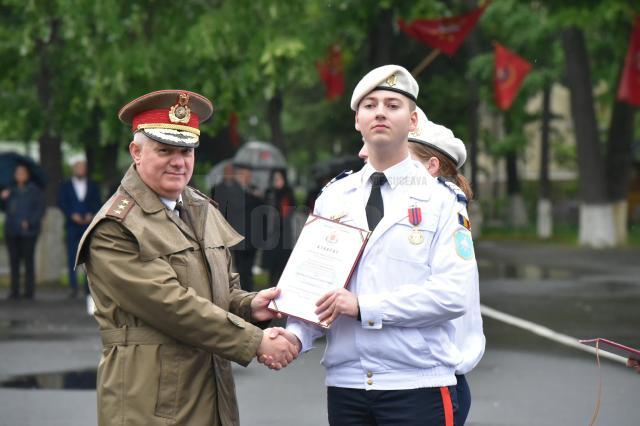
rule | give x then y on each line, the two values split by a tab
120	207
206	197
343	174
455	189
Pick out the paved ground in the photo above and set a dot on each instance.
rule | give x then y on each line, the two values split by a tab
522	380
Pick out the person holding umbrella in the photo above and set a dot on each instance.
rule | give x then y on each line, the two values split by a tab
23	204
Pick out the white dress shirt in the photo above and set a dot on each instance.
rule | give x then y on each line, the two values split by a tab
408	293
79	187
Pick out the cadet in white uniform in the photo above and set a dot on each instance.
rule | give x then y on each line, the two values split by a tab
442	154
391	353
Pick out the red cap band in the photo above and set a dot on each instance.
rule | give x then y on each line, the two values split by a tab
161	116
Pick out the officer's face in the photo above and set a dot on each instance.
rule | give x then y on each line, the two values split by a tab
166	169
385	117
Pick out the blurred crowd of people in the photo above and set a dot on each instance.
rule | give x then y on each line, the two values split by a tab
264	218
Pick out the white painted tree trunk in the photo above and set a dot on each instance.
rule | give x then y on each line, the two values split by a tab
517	211
545	219
476	218
620	219
51	253
597	226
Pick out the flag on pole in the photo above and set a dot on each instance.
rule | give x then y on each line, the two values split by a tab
445	34
629	88
330	71
509	72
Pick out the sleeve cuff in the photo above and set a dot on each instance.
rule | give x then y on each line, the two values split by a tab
370	312
298	329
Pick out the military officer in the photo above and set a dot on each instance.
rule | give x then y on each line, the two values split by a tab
391	353
170	311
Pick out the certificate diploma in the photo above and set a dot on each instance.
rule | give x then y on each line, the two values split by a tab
322	260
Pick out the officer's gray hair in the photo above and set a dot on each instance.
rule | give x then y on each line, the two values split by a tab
139	138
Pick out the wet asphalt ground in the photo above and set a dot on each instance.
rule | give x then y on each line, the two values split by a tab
523	379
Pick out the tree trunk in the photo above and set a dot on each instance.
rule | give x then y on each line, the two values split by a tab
596	213
49	142
545	218
620	164
473	118
381	36
274	118
517	207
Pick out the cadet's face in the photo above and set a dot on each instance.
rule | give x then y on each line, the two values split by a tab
166	169
385	117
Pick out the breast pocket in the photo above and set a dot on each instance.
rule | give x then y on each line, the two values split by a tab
409	243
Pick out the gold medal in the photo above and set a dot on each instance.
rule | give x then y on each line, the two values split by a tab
416	237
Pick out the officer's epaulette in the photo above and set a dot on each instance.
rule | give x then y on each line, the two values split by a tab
455	189
120	207
343	174
206	197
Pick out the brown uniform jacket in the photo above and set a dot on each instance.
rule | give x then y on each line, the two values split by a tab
170	310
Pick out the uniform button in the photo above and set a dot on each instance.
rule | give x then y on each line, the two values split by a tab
371	323
369	374
369	382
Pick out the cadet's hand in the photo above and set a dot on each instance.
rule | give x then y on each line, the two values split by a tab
335	303
276	352
632	363
88	218
25	225
259	310
5	194
77	218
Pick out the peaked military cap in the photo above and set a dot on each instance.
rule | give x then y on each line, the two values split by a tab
171	117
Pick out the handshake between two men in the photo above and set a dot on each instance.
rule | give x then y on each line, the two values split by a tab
280	347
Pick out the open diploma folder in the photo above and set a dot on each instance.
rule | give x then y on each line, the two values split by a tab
322	260
613	347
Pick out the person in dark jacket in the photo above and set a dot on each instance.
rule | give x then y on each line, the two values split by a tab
237	201
23	203
281	235
79	200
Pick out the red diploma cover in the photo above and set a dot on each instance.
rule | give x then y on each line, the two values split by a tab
613	347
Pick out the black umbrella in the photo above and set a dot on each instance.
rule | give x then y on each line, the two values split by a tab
8	163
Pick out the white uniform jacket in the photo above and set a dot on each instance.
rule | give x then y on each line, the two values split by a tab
408	293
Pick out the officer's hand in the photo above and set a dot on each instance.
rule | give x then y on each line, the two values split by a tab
276	352
632	363
259	310
336	302
274	332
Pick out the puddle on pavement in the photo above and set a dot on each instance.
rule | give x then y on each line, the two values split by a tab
494	270
68	380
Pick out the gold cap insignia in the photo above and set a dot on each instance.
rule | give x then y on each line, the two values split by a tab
392	80
180	112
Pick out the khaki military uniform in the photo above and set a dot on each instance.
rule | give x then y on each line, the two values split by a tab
170	310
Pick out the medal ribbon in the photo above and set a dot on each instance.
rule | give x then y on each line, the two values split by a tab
415	215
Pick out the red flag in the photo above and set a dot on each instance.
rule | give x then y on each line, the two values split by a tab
510	70
629	89
233	130
330	71
446	34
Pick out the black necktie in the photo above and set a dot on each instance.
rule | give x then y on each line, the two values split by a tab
375	206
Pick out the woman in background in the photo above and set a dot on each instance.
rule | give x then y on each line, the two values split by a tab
280	197
23	203
442	154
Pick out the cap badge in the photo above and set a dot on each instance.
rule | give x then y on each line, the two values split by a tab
180	112
392	80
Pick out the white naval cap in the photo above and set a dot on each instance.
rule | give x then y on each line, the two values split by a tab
438	137
387	77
